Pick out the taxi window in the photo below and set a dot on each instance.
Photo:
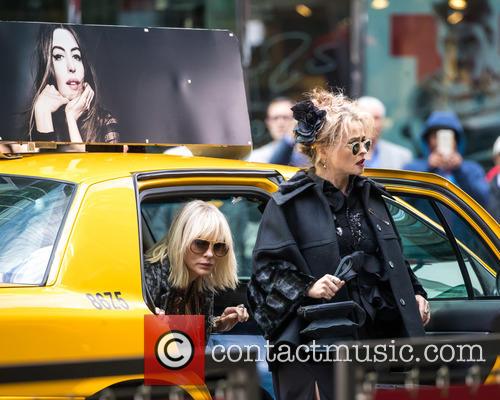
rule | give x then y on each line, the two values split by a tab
434	259
31	215
473	250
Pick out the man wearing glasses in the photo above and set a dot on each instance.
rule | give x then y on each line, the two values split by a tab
280	124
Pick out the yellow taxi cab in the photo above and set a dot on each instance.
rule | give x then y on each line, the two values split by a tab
74	228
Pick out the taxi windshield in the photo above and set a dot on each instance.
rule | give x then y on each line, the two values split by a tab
31	215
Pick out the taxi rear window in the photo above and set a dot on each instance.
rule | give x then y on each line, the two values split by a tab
31	214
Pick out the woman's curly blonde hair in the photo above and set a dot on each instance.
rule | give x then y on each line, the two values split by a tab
342	114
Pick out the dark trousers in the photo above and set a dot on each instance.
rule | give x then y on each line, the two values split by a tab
296	380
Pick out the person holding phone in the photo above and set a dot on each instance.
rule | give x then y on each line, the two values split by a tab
66	106
443	145
191	263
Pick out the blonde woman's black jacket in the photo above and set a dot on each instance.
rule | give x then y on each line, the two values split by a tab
297	244
173	300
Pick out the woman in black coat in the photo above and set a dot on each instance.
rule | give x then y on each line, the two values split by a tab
317	218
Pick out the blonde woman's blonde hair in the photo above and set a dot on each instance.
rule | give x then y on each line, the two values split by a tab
342	116
197	220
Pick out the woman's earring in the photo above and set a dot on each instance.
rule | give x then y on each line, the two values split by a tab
323	163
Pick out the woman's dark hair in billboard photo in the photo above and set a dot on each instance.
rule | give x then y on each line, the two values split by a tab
65	105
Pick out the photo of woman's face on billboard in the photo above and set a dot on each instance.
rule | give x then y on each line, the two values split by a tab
65	105
101	84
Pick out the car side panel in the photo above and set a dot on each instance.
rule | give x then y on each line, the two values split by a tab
464	316
69	322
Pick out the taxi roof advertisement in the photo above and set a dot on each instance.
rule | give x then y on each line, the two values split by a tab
105	84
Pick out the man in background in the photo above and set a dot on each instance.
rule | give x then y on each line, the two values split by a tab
280	124
384	154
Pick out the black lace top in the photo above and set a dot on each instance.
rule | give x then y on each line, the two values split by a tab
370	288
353	231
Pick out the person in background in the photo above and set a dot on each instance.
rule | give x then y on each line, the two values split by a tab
384	154
493	177
443	155
280	124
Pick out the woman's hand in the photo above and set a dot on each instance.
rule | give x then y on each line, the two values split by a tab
74	110
424	308
76	107
230	317
325	287
48	101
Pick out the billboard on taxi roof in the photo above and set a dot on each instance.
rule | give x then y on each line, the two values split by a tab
105	84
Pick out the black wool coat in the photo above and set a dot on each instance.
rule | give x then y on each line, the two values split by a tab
297	244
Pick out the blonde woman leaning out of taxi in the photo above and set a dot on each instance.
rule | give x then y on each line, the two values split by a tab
191	263
319	217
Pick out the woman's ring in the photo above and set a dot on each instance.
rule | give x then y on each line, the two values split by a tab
240	306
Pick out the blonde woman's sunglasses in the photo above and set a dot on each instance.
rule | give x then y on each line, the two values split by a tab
200	246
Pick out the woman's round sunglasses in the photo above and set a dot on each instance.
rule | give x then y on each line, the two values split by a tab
356	146
200	246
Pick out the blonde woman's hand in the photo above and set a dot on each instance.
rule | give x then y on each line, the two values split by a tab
230	317
159	311
76	107
424	309
325	287
48	101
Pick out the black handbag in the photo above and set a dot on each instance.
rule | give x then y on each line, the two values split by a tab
328	323
331	322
